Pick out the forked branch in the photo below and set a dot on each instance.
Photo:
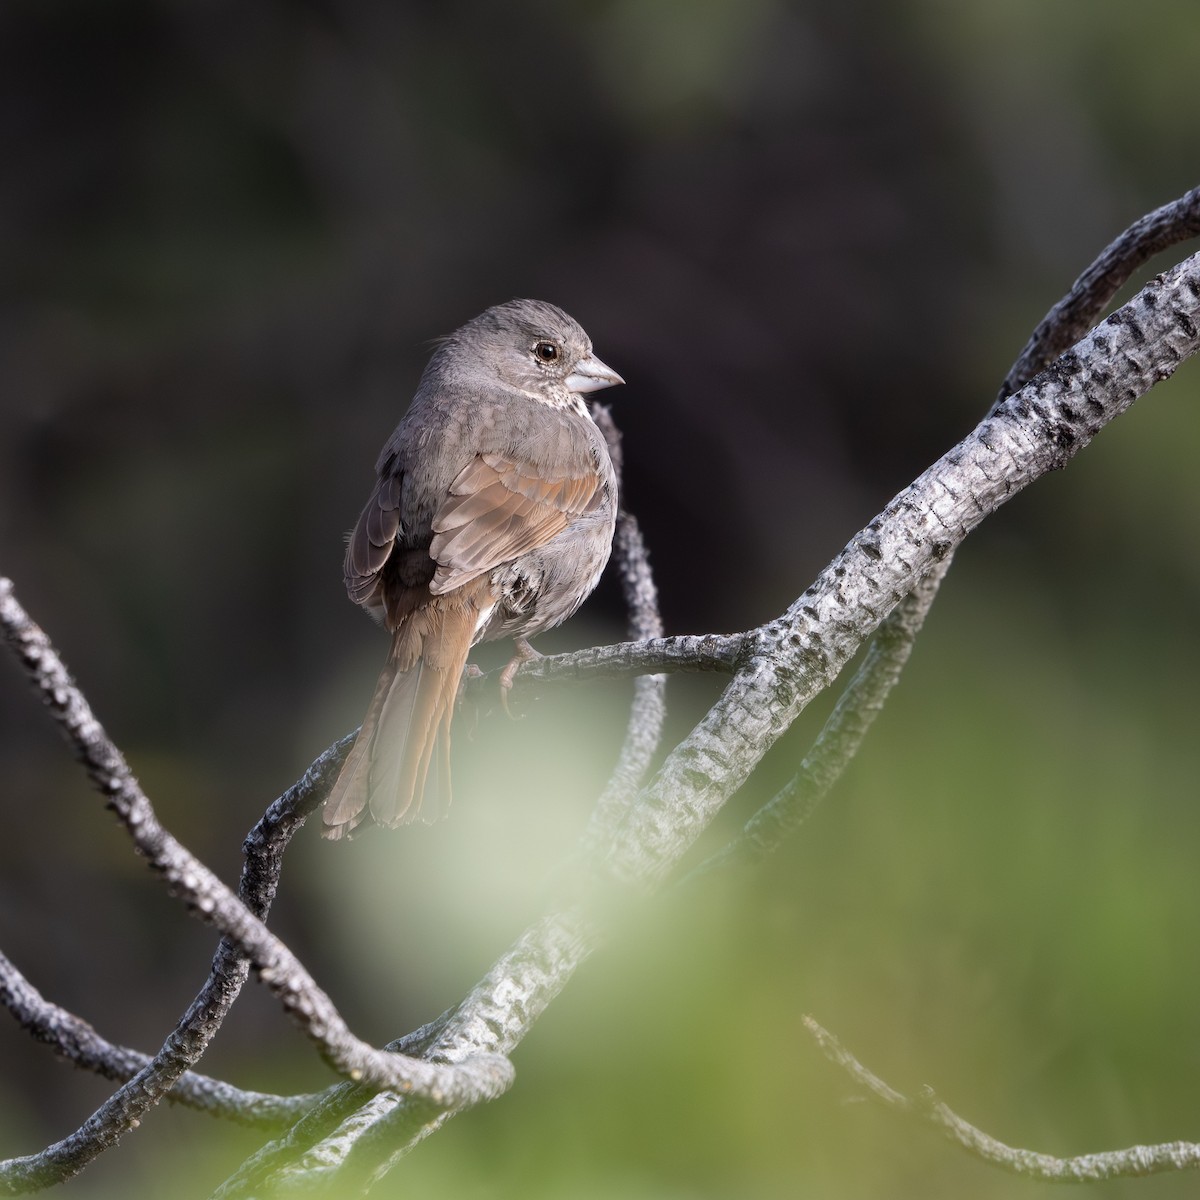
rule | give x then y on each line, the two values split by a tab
245	938
636	839
781	667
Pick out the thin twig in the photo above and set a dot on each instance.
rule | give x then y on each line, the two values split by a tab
715	652
647	652
79	1043
209	898
648	711
1037	430
157	1077
890	647
1077	311
365	1131
1131	1162
792	659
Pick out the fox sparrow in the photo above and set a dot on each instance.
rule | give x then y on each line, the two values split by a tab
492	517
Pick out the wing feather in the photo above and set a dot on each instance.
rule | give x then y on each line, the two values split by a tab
500	508
373	540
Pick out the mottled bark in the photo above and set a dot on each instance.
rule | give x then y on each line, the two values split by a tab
358	1130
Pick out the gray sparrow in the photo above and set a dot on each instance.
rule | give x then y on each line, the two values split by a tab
492	516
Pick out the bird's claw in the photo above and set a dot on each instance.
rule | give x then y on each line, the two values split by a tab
523	653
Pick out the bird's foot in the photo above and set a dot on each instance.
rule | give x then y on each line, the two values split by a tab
523	652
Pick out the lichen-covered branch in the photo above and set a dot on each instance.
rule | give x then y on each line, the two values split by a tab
149	1078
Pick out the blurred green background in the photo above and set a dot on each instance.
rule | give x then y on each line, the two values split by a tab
812	237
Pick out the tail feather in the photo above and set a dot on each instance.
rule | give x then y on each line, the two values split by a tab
399	766
403	742
436	788
346	804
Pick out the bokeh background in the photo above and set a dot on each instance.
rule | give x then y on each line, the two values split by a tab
812	237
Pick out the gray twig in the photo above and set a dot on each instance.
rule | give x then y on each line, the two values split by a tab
1173	223
892	644
648	710
1037	430
210	899
776	670
79	1043
714	652
354	1134
790	660
1083	1168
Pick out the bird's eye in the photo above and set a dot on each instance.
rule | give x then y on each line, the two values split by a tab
546	351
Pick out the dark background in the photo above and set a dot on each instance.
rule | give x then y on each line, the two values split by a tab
812	238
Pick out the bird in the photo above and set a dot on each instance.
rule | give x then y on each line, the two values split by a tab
492	516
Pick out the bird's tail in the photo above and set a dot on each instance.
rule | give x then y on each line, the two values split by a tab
398	769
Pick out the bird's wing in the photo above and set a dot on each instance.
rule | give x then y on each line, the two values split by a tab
500	508
373	540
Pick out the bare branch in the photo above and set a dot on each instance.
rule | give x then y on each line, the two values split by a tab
776	670
80	1044
352	1132
1084	1168
1037	430
1173	223
648	711
210	899
791	660
1169	225
841	736
372	1132
686	652
188	1041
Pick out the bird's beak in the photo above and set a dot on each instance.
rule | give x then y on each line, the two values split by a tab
590	375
